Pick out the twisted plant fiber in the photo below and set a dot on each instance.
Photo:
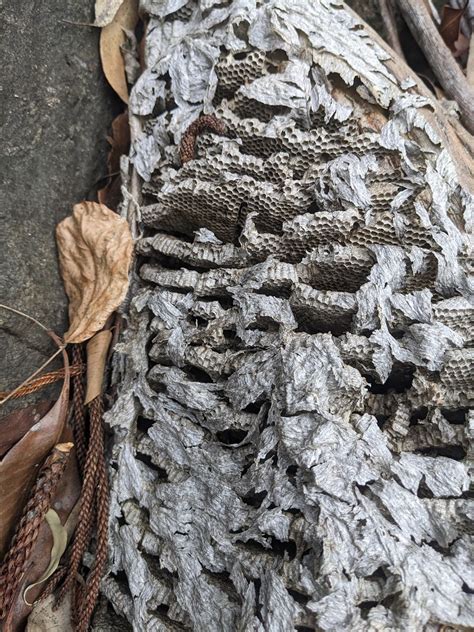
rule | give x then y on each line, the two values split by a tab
52	584
88	596
208	122
44	380
94	510
24	539
79	412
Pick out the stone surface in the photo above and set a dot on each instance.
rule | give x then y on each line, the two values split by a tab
55	112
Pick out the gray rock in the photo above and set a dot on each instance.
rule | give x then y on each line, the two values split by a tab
55	111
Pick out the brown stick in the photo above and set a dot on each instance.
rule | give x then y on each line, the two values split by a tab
470	63
386	12
440	58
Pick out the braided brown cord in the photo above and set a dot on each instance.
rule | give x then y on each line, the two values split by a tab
94	511
16	559
44	380
53	582
207	122
83	531
79	412
88	597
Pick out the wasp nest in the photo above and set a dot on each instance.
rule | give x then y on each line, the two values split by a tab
291	428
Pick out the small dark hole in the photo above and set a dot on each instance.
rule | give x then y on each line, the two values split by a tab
253	407
299	597
365	606
281	547
121	520
455	416
145	458
144	424
424	491
231	436
291	471
455	452
418	414
254	499
381	420
399	381
196	374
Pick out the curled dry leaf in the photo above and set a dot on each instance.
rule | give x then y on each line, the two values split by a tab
97	349
105	11
112	38
119	141
450	27
95	250
19	466
59	534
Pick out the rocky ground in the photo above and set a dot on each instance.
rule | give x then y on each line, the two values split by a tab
55	112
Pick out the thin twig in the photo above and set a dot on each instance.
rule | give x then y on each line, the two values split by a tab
28	379
390	23
45	380
440	58
470	64
44	365
20	313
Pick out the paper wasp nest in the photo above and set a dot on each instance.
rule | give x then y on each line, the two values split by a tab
292	428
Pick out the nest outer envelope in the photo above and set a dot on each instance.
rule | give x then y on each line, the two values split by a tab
291	432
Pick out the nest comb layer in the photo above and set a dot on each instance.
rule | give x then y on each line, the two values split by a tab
292	430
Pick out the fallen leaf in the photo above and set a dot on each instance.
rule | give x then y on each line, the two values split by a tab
105	11
111	195
95	251
46	617
451	24
59	533
97	349
19	466
461	45
119	141
112	37
17	423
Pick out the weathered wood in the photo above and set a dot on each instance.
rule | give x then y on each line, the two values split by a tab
387	14
444	65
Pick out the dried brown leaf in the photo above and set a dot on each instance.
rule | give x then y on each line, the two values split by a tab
97	349
461	45
95	250
19	466
59	533
119	141
17	423
105	11
112	37
450	25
